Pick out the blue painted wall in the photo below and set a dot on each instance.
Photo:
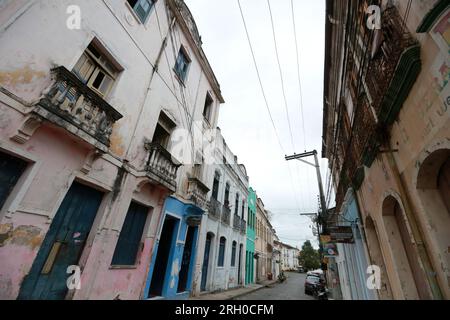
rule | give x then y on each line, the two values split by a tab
181	211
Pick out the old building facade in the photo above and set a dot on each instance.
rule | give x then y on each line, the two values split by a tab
289	256
250	248
92	177
263	243
222	243
387	137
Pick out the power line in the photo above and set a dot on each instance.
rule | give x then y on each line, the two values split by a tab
298	74
264	94
259	77
281	75
283	91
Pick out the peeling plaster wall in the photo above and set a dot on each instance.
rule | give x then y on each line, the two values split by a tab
423	125
35	39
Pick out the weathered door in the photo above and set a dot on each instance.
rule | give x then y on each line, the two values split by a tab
205	262
240	264
62	245
11	168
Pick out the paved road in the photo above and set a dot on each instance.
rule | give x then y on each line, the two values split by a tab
291	289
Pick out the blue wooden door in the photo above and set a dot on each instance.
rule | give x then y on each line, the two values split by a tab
62	245
205	263
11	168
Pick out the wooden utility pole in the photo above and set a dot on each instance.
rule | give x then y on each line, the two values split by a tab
323	210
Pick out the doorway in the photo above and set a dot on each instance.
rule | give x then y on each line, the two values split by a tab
187	259
401	246
166	242
205	265
240	265
63	244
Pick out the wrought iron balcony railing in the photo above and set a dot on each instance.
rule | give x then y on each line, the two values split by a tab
214	208
197	191
161	166
236	222
70	103
394	67
226	214
243	226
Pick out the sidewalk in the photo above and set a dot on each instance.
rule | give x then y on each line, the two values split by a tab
234	293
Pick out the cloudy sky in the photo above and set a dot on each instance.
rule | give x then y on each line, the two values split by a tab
286	188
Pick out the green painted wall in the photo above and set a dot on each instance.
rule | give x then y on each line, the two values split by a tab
251	221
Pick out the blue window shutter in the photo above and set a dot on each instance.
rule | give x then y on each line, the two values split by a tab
142	9
233	254
221	252
130	235
181	65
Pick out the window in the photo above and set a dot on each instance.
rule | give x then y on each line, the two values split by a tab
142	8
236	205
130	236
220	261
233	254
243	209
208	107
95	70
215	190
227	195
163	130
182	64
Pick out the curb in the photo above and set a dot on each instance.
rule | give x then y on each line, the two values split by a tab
251	291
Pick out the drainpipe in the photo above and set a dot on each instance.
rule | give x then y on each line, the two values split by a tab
154	70
416	231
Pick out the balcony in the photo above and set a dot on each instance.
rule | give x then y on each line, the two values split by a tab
214	209
71	104
243	226
161	167
394	68
197	190
236	222
226	214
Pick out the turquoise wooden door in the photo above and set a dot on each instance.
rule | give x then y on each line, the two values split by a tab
62	245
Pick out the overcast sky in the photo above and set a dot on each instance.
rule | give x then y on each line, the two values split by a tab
286	188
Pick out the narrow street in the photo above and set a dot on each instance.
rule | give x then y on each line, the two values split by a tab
291	289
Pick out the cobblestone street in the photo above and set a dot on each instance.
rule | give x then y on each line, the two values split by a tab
291	289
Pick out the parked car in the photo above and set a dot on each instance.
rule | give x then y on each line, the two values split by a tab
314	284
301	269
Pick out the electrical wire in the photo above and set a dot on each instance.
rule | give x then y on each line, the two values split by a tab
298	75
259	77
264	95
281	75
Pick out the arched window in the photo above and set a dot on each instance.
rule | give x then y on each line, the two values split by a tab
221	259
215	189
226	200
236	204
233	254
433	188
376	256
401	246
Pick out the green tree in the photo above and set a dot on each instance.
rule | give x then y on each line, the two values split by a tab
309	257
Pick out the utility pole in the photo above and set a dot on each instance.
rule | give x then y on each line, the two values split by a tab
323	209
